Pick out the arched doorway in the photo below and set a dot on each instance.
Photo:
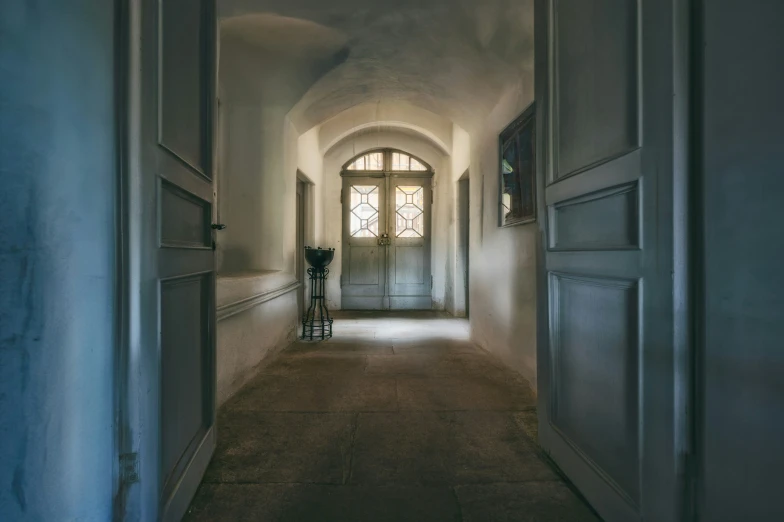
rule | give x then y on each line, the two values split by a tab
386	198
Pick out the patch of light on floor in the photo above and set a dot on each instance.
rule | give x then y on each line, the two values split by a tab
403	326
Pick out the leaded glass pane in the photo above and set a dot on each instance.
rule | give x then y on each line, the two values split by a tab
416	165
358	164
374	161
364	211
409	211
400	161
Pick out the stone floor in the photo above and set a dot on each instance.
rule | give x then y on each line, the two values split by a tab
397	418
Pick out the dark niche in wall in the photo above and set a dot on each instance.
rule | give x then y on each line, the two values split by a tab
517	194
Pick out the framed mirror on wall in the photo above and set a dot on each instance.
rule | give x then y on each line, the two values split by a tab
517	184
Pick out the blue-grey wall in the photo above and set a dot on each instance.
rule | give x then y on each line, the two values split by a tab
742	362
57	239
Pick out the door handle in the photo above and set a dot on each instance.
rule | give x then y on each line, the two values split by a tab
218	226
384	240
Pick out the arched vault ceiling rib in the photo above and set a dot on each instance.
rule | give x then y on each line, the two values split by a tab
454	58
386	126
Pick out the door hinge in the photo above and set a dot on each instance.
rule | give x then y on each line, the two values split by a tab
341	279
431	281
341	196
431	196
129	468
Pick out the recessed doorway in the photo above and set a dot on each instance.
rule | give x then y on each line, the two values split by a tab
387	198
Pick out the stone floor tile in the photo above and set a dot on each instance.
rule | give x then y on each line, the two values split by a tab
523	502
315	393
343	346
444	448
401	448
329	364
446	393
491	447
529	423
434	346
284	447
299	503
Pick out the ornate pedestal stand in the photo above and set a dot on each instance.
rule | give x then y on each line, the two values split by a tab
316	323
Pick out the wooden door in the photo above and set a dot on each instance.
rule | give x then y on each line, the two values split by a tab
610	392
363	280
409	275
176	170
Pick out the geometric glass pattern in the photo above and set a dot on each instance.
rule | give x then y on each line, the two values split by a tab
364	211
371	161
401	161
409	211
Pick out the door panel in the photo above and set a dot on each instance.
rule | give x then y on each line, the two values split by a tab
604	220
185	218
596	64
185	364
177	87
185	70
364	260
595	319
363	266
409	265
605	366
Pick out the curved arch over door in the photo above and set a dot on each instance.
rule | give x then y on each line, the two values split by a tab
387	198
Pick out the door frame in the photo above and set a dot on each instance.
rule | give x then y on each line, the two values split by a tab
685	198
301	240
138	369
464	235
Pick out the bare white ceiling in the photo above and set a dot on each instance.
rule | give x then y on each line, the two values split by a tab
452	57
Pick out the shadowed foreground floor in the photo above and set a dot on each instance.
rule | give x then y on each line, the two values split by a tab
398	417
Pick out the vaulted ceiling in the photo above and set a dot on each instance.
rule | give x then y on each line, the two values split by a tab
452	57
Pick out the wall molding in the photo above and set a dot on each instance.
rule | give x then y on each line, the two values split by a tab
236	307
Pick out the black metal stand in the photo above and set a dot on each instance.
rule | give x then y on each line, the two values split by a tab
317	324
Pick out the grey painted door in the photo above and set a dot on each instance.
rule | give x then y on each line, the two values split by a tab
409	281
177	93
386	242
363	281
610	395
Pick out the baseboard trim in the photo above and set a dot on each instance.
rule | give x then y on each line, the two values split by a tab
230	309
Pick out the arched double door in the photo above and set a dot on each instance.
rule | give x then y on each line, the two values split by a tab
386	198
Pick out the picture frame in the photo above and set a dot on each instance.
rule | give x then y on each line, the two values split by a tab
517	170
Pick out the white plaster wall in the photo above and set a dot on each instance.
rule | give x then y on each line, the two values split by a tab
415	144
258	164
502	260
310	163
249	339
443	245
461	151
